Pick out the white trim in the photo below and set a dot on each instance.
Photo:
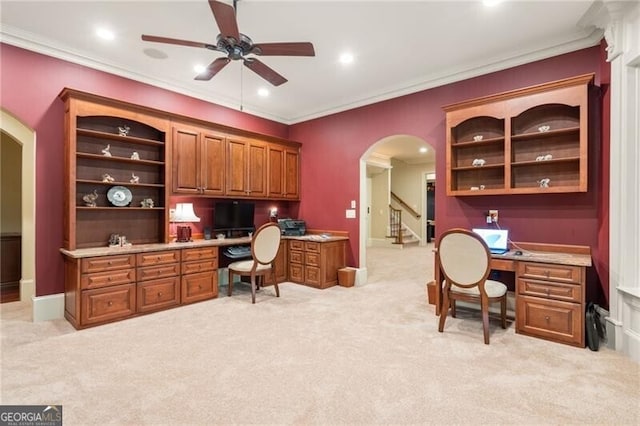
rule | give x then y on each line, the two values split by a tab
27	290
50	307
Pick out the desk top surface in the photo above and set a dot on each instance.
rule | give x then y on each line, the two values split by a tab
573	259
144	248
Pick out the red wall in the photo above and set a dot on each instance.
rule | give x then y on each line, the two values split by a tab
332	148
30	84
333	145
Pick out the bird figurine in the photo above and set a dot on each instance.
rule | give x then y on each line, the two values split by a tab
134	178
106	151
107	178
123	130
90	199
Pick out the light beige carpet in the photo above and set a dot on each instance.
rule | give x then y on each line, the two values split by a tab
369	354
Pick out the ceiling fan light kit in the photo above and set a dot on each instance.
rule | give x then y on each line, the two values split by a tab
238	46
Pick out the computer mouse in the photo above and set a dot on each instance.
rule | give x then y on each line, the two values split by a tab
518	253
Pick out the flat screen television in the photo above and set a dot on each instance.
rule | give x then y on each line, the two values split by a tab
233	216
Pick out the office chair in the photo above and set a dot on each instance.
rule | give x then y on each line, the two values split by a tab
465	261
264	248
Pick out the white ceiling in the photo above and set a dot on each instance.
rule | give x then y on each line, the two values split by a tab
400	47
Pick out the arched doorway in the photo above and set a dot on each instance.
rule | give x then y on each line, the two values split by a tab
26	137
396	149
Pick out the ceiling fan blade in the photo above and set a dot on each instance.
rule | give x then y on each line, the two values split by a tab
225	18
264	71
284	49
213	69
179	42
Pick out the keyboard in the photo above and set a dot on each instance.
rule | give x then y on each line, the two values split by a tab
238	251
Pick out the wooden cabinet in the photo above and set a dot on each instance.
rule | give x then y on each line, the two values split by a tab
107	144
316	263
281	265
283	172
158	276
532	140
198	157
550	302
246	168
199	274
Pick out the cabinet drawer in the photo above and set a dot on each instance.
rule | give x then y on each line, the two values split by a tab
312	275
296	272
550	290
193	267
104	279
296	245
162	271
312	259
108	263
547	271
158	294
200	286
199	253
108	304
550	319
311	246
296	257
158	257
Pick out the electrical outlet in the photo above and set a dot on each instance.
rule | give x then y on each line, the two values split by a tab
493	216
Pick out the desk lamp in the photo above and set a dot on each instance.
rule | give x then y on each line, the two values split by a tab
184	214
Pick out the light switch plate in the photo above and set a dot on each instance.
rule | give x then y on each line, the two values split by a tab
350	214
353	204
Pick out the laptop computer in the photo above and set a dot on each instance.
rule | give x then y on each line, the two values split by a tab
496	239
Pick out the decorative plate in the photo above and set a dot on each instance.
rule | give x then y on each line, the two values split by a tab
119	196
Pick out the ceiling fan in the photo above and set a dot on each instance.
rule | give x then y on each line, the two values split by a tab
237	46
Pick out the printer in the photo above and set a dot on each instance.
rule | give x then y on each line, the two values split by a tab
292	227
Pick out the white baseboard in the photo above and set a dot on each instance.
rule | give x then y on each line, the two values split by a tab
361	276
27	290
48	307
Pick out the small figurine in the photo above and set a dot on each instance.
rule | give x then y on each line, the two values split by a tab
544	183
90	199
543	129
548	157
540	158
134	178
147	203
107	178
478	162
106	151
124	130
114	240
477	138
135	155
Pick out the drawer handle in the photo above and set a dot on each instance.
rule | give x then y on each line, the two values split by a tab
547	273
108	278
199	287
109	263
110	303
159	294
547	318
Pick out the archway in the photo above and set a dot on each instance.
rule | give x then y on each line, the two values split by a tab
396	146
26	137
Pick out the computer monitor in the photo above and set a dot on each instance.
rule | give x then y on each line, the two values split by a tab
496	239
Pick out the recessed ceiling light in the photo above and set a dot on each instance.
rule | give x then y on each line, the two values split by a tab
346	58
105	34
264	92
423	150
155	53
199	68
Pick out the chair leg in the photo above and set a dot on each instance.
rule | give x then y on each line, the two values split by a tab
275	282
503	311
484	305
444	309
230	286
453	308
253	288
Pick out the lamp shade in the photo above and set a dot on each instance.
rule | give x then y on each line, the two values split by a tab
184	213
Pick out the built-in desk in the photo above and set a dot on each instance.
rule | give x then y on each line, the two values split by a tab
550	289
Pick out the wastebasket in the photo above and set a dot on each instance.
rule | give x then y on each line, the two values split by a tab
347	277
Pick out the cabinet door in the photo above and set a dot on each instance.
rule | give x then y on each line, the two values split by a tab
212	164
186	164
246	168
283	172
200	286
281	265
257	169
236	183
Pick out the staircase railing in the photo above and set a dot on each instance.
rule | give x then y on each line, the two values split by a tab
405	205
395	224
